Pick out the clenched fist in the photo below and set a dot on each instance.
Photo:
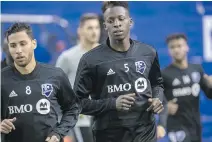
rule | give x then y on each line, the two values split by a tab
161	132
124	102
7	125
155	105
172	107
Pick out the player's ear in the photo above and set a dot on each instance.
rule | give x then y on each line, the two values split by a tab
187	48
131	22
105	26
78	31
34	43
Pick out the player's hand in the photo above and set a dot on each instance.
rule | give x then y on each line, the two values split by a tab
155	105
208	79
161	132
52	139
7	125
172	107
124	102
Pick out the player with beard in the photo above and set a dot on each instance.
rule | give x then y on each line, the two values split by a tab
183	82
31	92
123	78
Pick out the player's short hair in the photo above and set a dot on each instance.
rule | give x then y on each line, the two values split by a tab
109	4
176	36
18	27
88	16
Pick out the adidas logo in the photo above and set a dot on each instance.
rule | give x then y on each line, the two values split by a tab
110	72
13	94
176	82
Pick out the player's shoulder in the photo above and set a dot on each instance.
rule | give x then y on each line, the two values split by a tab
167	69
6	71
195	66
93	52
147	48
69	52
50	69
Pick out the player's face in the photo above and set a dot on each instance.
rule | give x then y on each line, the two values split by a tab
178	49
117	22
90	31
21	48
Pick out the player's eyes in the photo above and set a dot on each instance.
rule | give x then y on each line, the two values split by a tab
110	21
12	45
121	18
23	43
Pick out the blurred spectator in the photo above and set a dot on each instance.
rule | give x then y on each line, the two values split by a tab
88	34
8	59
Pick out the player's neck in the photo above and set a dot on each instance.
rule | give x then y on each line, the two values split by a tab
27	69
87	45
120	45
181	64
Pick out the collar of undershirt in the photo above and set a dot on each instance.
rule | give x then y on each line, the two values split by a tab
131	45
29	76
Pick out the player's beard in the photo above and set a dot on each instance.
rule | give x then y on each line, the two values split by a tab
26	61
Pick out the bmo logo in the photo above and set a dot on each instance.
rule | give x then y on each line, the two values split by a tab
119	88
20	109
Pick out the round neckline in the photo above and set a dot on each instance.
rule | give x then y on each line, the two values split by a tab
109	46
29	75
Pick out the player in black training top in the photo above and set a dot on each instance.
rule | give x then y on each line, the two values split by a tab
183	82
123	78
32	93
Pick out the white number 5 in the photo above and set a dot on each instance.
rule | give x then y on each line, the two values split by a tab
126	67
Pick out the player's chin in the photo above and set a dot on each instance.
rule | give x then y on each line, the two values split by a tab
21	64
178	59
119	38
93	41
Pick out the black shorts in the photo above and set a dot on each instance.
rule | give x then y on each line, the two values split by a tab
141	133
183	134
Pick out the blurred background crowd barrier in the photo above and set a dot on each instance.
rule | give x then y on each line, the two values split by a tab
55	27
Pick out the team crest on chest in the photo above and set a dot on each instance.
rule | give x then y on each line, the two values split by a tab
47	89
140	66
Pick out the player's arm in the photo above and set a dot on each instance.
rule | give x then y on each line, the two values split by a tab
206	83
164	114
83	87
161	128
3	106
156	79
70	106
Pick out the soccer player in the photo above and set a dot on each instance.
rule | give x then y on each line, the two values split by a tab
88	34
123	78
32	92
182	82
